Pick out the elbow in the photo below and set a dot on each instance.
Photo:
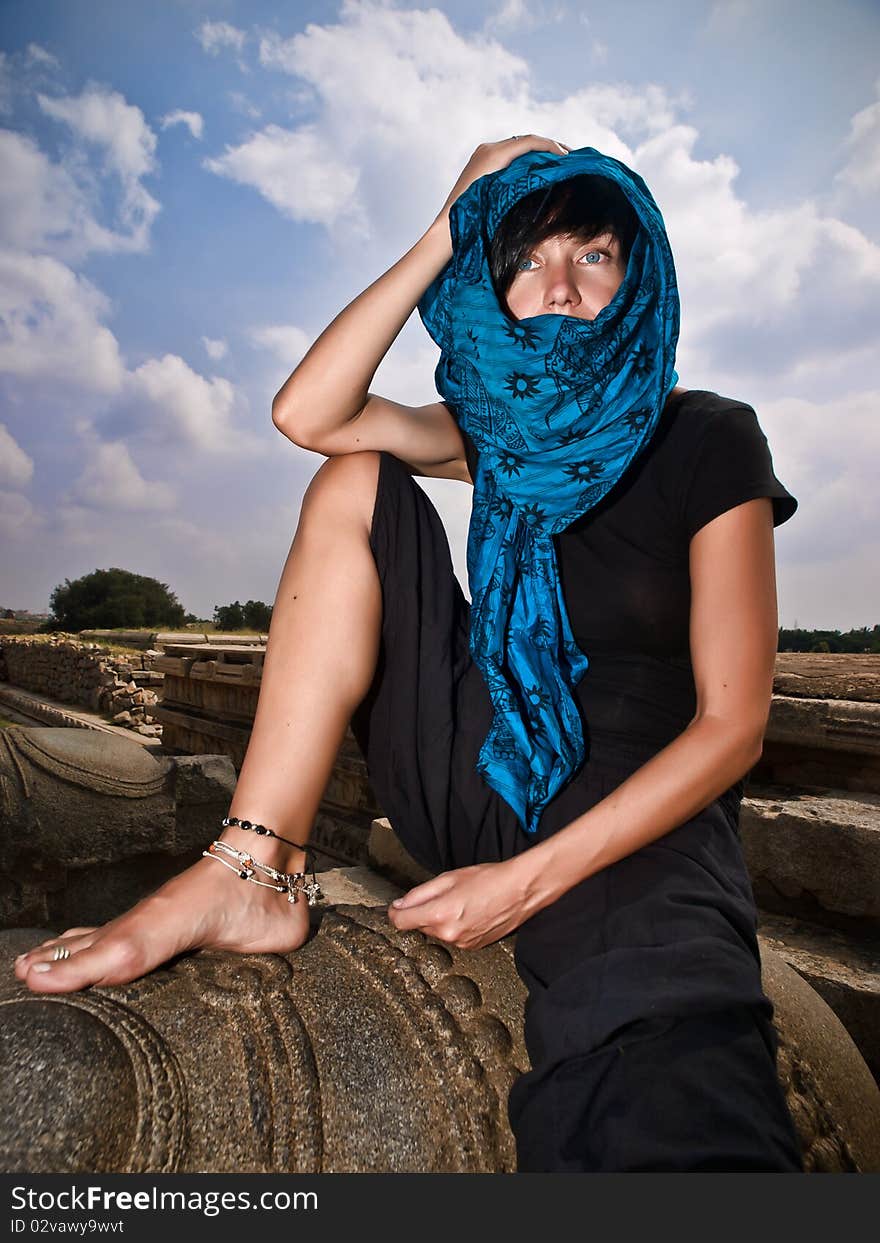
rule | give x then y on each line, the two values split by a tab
287	424
742	740
751	745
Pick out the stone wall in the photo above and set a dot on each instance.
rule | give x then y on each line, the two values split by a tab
65	668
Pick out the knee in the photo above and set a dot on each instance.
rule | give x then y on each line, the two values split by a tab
348	479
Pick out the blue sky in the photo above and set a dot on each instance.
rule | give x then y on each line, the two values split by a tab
191	191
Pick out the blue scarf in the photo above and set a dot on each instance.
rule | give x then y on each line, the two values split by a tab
558	407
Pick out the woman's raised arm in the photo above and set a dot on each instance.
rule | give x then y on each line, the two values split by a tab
330	386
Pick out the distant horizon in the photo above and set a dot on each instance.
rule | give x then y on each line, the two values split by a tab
869	627
193	192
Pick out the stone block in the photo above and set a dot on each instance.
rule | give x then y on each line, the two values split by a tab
844	971
389	857
822	850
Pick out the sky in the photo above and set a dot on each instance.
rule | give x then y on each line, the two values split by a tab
190	192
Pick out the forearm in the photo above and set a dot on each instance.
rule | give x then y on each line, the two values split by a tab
331	383
675	784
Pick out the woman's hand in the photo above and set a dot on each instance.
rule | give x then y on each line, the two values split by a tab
469	907
491	157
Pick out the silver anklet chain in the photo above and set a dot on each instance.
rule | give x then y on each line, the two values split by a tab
291	883
251	826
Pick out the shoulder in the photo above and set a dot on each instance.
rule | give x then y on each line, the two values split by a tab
699	411
704	425
718	457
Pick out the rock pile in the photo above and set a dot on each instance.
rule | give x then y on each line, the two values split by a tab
60	666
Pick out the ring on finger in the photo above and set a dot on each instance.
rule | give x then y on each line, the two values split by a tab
60	951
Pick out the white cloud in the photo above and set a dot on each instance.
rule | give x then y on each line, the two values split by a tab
755	283
295	171
217	37
38	55
51	325
833	475
16	468
215	349
177	406
108	122
6	84
287	342
214	36
776	302
18	517
193	121
726	17
52	332
104	120
52	317
406	373
524	14
111	481
862	169
741	270
399	161
245	106
42	206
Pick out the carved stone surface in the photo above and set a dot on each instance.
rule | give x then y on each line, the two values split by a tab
844	971
90	822
790	840
826	724
365	1050
833	1097
828	675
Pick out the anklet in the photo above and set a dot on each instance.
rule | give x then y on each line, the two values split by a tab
290	882
260	829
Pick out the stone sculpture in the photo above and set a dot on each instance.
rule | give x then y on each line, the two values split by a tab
91	822
366	1050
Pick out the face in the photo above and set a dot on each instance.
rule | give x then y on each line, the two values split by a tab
562	276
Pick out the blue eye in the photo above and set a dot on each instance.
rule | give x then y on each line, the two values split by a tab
589	256
521	268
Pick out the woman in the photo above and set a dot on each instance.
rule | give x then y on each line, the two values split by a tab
623	876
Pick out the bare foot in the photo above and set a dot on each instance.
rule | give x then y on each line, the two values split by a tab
207	906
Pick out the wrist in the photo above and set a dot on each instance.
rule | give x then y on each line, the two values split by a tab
440	236
533	874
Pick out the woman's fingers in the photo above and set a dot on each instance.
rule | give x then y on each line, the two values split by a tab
537	142
491	157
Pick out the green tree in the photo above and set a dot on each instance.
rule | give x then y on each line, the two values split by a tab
113	598
229	616
255	615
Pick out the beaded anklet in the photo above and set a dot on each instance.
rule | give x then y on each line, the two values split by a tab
290	883
262	831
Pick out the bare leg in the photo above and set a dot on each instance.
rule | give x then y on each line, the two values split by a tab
320	661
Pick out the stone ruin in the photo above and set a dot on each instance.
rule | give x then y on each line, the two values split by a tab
64	668
220	1062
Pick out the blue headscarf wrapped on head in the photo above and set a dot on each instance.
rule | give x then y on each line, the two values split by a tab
559	407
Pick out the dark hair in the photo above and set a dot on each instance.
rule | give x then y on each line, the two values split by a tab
584	206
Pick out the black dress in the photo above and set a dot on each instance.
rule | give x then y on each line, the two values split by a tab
650	1039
